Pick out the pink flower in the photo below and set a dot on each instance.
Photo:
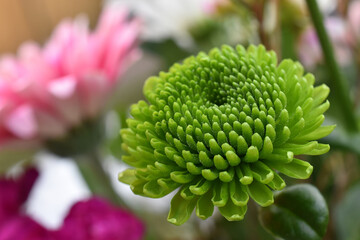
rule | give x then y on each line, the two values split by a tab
13	193
24	228
309	48
96	219
45	92
354	22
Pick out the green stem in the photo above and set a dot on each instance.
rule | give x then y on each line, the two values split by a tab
96	178
339	85
288	39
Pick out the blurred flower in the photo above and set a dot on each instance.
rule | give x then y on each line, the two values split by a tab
165	19
220	127
96	219
46	92
13	194
309	48
24	228
354	22
212	6
224	23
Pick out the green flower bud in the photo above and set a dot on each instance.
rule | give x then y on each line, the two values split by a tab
222	127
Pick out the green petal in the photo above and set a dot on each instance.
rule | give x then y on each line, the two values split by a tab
320	94
261	172
154	190
244	174
221	194
133	161
182	176
201	187
298	149
232	212
282	158
296	169
138	186
232	158
227	176
220	162
180	209
282	136
166	168
267	148
277	183
260	193
318	110
210	174
127	176
168	184
193	169
205	160
238	194
320	149
204	206
252	154
316	134
150	85
185	192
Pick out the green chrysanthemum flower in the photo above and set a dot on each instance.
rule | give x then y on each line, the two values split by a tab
222	127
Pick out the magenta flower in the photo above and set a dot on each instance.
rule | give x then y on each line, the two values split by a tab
45	92
13	224
13	193
96	219
24	228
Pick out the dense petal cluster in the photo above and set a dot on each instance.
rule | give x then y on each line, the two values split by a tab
222	126
45	92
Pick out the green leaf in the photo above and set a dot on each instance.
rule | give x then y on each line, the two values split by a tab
299	212
347	215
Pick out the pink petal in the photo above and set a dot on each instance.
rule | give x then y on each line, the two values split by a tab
121	45
63	88
94	91
21	122
65	98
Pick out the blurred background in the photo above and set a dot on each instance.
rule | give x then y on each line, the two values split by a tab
171	31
